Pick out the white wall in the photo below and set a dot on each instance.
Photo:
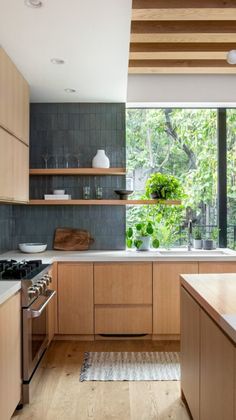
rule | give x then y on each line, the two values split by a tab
162	89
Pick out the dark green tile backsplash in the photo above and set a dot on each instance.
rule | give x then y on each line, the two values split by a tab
65	131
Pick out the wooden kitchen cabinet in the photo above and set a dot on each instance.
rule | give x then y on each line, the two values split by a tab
217	267
190	354
14	169
123	283
10	356
75	298
166	295
217	392
14	100
123	298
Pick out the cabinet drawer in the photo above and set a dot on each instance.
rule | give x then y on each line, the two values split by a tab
120	319
123	283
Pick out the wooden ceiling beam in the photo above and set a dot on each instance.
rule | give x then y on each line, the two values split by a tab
179	55
198	14
182	70
179	63
183	27
182	4
162	47
184	37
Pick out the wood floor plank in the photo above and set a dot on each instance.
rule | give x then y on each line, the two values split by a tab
60	395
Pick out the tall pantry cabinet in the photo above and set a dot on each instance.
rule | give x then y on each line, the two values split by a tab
14	133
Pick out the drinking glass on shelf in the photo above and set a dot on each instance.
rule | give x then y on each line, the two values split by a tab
68	157
98	193
46	158
77	158
86	193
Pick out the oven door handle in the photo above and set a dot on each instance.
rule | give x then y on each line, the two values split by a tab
36	313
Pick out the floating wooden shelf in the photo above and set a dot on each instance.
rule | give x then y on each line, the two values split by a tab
78	171
101	202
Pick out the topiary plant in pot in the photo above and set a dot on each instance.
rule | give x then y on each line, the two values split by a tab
140	236
197	238
163	186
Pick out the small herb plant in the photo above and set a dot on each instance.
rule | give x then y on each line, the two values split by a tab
163	186
214	234
197	234
134	235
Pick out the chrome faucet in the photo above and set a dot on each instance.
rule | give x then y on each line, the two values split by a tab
190	231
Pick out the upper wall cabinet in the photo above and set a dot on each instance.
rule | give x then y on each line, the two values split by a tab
14	99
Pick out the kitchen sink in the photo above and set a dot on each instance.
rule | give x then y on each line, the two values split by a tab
193	253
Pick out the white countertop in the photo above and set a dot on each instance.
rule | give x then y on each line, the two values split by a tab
8	289
177	254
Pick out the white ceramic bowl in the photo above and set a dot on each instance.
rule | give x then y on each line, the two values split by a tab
32	248
58	192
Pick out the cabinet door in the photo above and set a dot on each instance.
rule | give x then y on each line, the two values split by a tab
75	298
52	306
14	101
217	372
123	283
190	352
217	267
123	319
166	295
10	356
6	166
20	171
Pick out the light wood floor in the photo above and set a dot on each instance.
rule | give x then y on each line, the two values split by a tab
60	395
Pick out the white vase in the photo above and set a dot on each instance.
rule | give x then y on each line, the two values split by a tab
100	160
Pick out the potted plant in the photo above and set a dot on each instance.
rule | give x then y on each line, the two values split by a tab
210	241
163	186
141	236
197	238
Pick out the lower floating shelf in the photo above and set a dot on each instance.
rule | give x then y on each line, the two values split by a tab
101	202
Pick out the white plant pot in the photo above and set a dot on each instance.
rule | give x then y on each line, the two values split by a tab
197	243
146	240
101	160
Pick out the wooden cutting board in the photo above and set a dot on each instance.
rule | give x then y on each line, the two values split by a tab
68	239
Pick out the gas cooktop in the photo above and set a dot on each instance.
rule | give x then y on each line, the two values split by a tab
11	269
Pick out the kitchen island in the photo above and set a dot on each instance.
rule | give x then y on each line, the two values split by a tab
208	345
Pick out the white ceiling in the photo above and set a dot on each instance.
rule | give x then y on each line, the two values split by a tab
92	36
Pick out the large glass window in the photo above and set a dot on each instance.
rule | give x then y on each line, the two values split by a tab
181	142
231	177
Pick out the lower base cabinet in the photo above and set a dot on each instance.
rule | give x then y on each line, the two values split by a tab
10	356
75	298
208	366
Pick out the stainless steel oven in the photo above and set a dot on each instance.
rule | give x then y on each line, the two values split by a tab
35	333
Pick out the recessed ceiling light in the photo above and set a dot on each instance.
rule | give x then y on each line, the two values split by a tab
231	57
36	4
57	61
68	90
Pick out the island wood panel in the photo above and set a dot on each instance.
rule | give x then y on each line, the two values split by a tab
217	372
123	283
166	295
184	14
217	267
75	298
189	353
14	103
10	356
123	319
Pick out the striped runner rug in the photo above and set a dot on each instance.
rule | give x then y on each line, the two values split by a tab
130	366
